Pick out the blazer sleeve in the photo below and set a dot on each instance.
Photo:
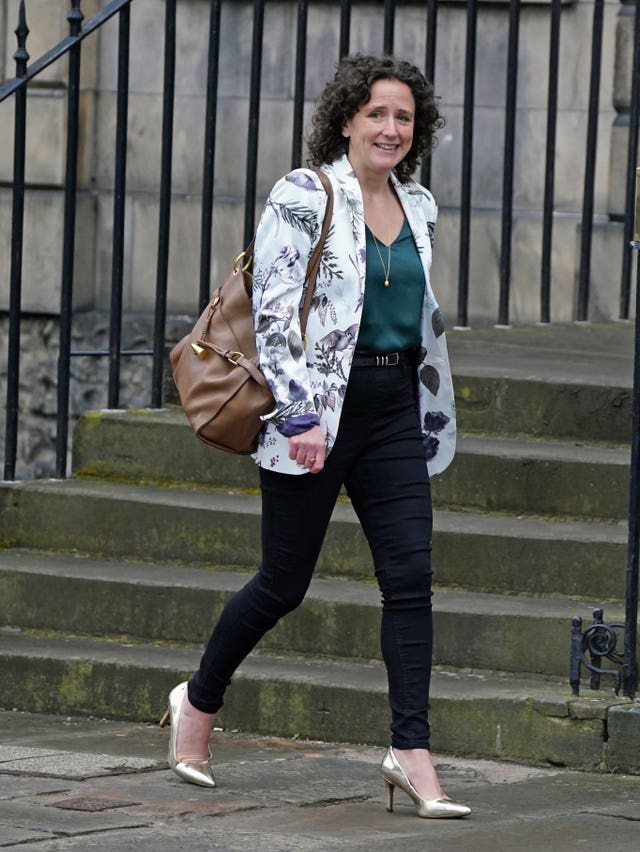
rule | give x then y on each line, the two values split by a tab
287	233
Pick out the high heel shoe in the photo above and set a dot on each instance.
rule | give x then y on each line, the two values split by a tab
194	771
395	776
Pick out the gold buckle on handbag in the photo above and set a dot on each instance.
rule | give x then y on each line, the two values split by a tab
236	262
229	355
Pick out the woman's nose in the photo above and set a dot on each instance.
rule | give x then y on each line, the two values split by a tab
390	128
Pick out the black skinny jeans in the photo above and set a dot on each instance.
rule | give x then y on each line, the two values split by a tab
379	457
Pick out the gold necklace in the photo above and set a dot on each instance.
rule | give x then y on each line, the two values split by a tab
387	268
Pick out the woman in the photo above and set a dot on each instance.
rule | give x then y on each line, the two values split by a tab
365	401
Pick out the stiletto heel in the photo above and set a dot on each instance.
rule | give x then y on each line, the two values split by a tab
390	788
194	770
395	776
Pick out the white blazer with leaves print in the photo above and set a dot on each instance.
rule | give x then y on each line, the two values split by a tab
312	376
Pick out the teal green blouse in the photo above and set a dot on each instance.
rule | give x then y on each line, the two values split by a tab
391	315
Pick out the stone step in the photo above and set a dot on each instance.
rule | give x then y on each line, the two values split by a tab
471	551
562	381
473	713
488	473
552	479
543	409
106	597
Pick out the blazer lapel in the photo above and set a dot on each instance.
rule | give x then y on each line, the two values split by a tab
411	200
354	212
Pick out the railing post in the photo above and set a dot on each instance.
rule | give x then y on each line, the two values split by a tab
345	27
389	25
119	201
550	162
629	666
632	153
300	80
21	58
164	221
509	157
75	18
430	73
254	120
208	170
467	163
584	275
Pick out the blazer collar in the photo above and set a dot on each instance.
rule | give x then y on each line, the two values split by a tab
342	169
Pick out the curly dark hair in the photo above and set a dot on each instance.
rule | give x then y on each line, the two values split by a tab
351	88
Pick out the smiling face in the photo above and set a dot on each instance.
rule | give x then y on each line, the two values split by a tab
380	134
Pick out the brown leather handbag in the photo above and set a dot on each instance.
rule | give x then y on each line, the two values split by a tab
215	366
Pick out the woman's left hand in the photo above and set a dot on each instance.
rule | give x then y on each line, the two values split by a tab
309	449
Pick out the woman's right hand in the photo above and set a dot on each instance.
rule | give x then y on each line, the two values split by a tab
309	449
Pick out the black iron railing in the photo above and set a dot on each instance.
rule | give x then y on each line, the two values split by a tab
550	162
630	666
71	47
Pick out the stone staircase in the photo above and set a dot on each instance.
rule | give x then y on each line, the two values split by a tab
110	580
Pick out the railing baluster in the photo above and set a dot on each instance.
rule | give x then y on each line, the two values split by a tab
298	97
389	25
208	170
509	156
254	120
119	201
550	162
430	73
345	27
21	58
164	217
632	154
582	314
75	18
630	666
467	157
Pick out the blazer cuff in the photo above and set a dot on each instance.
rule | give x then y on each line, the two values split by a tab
298	424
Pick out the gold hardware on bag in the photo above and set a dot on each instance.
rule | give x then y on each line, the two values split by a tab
214	304
200	351
230	357
236	262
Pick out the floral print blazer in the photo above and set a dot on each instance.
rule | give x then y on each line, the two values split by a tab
311	376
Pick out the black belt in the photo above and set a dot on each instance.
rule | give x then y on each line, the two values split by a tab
391	359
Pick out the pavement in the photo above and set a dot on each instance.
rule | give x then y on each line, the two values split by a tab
91	784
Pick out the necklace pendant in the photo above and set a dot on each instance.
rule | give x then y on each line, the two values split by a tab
386	282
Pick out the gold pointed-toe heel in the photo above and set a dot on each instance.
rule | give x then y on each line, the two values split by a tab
395	776
194	771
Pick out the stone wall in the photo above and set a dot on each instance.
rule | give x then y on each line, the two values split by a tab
89	378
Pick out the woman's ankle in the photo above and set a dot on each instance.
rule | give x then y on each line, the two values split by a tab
194	730
420	771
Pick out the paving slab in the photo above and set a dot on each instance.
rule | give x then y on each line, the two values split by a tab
275	795
67	764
